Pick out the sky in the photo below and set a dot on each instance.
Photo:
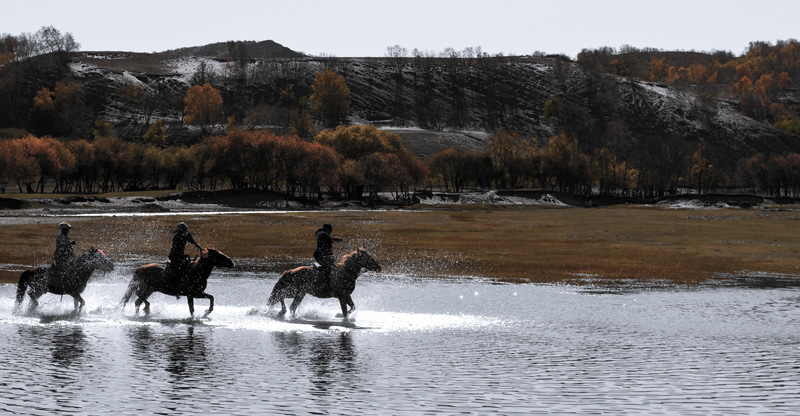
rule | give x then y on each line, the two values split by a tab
365	28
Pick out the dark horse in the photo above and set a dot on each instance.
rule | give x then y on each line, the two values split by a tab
298	282
39	281
150	278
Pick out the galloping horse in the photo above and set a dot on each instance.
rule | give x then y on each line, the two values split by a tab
298	282
39	281
150	278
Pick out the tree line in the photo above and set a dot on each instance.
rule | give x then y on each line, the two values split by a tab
351	161
756	79
348	161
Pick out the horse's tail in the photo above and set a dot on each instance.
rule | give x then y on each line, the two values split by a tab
280	287
22	286
132	286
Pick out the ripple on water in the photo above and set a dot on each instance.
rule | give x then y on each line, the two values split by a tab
413	347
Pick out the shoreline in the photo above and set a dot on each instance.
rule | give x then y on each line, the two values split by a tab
249	199
516	237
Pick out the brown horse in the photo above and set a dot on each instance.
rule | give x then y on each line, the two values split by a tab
39	281
150	278
298	282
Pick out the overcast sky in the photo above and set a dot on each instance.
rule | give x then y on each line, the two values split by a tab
354	28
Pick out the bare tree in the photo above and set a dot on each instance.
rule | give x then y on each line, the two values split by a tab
397	59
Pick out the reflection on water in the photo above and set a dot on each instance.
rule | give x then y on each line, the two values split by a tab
416	347
182	353
331	359
67	344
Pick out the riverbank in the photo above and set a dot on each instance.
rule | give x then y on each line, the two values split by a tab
536	240
231	200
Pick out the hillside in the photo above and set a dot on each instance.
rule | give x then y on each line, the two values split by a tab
252	49
692	125
435	103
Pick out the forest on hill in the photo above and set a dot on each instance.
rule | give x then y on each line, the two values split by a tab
233	115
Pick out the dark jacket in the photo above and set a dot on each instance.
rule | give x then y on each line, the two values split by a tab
177	254
64	254
324	252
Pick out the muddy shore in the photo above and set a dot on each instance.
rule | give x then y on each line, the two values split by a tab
513	236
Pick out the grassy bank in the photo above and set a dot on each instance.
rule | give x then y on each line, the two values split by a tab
508	243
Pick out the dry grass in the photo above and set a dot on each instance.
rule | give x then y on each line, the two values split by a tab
510	244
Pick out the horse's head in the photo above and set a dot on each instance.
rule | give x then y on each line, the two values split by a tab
98	260
216	257
365	260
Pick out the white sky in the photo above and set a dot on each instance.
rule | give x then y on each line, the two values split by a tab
353	28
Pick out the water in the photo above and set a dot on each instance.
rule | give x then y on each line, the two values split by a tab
415	347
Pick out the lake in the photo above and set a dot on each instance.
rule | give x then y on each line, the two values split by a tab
415	346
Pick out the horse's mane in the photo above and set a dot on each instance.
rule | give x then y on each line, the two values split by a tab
343	259
203	253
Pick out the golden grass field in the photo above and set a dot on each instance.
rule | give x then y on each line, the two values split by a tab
507	243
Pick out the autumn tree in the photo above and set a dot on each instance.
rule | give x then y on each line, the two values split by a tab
330	101
357	143
156	134
203	107
507	151
554	111
103	128
17	166
457	168
568	167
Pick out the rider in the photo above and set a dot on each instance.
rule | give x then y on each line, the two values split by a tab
64	256
324	255
177	254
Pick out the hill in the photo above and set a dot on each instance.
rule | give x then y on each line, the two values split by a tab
433	101
438	102
252	49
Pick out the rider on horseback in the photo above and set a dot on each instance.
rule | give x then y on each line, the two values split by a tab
178	260
324	255
64	256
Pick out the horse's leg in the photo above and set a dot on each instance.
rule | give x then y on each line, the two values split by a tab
210	303
79	302
190	299
344	302
34	301
296	302
139	301
283	308
351	303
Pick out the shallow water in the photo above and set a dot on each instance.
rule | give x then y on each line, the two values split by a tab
414	347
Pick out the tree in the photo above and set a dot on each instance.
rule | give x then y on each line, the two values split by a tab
554	111
355	142
506	151
397	59
456	168
358	143
156	134
568	167
203	106
330	101
103	128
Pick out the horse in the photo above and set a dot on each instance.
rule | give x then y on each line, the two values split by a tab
298	282
72	282
150	278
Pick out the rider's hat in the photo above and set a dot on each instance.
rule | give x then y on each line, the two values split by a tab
181	227
327	227
64	226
